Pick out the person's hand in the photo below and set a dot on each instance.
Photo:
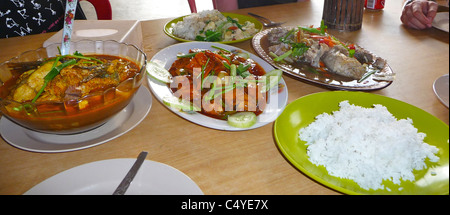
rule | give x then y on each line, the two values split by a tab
419	14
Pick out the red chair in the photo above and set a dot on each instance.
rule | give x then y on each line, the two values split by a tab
102	8
194	7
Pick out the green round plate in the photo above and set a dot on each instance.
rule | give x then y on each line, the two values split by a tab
242	18
302	112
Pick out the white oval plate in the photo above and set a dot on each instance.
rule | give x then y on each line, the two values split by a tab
103	177
277	99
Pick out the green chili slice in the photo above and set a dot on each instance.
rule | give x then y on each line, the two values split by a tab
52	74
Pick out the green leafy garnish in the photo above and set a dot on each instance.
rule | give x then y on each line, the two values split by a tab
187	55
85	58
351	52
226	65
298	49
313	70
52	74
367	75
283	56
311	30
222	49
229	19
203	73
284	39
242	70
210	36
323	29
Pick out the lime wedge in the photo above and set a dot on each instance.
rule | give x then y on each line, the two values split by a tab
272	79
242	119
179	104
159	73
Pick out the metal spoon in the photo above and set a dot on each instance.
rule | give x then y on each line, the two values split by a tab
71	6
266	22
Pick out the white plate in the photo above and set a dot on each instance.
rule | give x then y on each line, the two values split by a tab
276	101
120	124
441	21
103	177
441	89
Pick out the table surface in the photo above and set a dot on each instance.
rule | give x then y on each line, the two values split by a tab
246	162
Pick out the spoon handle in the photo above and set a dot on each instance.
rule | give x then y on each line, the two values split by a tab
261	18
71	6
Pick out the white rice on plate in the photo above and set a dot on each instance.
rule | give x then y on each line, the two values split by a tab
367	145
197	23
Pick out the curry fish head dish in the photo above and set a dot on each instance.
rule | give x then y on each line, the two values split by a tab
46	92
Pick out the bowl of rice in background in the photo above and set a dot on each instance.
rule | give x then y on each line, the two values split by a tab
310	126
186	28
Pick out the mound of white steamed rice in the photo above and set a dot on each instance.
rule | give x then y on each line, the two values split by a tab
197	24
191	25
367	145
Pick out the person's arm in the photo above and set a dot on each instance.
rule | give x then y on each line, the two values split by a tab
419	14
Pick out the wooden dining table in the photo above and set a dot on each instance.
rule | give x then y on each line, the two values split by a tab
241	162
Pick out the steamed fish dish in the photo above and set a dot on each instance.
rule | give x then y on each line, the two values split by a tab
312	49
212	26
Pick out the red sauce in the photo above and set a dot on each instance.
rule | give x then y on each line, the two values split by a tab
213	64
73	116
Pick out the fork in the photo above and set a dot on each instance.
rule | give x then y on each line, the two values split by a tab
266	22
